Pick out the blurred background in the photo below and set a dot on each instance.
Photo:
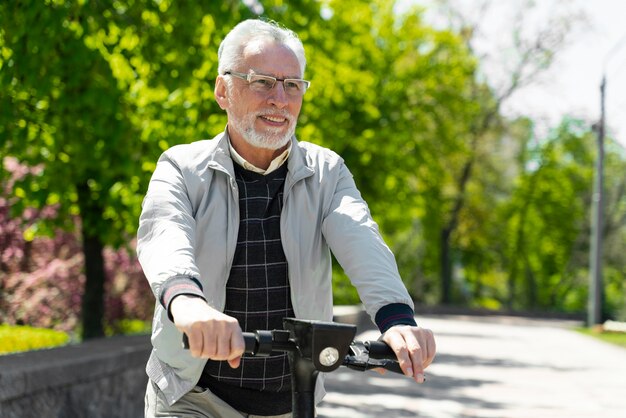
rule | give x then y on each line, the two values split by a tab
477	132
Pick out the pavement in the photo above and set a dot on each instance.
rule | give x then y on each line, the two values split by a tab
492	366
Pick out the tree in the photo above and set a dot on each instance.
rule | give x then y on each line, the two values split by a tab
90	93
41	278
546	220
531	54
387	94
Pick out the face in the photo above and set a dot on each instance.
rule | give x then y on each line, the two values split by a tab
262	120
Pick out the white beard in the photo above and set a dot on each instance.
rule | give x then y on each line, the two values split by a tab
271	138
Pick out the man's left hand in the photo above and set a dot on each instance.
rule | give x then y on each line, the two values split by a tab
414	347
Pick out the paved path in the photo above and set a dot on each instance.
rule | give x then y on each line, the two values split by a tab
500	367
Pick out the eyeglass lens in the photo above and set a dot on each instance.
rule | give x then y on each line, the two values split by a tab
264	84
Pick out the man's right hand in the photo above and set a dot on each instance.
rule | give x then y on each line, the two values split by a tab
211	333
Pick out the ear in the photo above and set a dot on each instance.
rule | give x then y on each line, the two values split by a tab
221	92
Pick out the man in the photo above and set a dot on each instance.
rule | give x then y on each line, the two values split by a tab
236	232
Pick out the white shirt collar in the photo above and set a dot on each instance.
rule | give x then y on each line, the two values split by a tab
275	164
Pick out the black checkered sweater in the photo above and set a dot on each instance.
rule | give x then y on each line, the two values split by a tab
258	295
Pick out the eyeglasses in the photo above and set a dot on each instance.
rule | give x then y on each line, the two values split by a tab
294	87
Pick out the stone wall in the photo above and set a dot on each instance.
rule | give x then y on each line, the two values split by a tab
99	378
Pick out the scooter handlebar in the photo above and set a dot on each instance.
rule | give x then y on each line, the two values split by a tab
364	355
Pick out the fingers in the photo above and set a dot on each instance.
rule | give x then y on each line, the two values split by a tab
414	347
196	342
431	347
220	340
237	348
397	341
416	357
211	333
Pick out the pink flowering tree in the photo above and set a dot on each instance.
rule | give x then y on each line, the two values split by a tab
42	277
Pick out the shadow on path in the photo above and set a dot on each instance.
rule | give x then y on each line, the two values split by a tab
391	395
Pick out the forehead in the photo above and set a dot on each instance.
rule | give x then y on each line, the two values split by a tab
271	58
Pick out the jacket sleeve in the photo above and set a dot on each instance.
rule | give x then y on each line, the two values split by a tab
358	246
166	234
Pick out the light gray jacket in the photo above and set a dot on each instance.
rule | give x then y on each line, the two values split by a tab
189	224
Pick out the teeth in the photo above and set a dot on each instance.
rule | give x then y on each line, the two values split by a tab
273	119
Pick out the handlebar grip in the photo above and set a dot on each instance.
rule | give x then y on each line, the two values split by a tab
380	350
393	366
249	340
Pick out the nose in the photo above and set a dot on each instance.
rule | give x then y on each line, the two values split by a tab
278	96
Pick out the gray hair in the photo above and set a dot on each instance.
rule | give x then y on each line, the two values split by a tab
230	51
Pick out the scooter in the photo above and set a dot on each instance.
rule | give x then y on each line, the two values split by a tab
313	347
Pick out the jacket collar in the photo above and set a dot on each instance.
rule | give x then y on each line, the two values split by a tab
298	165
219	155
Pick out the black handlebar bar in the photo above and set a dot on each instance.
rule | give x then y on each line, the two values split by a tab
362	355
261	343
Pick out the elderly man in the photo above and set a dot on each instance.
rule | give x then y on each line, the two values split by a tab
236	234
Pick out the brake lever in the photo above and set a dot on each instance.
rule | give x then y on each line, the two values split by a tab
359	359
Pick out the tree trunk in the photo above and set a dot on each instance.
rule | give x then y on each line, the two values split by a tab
93	296
446	268
514	261
531	287
25	265
446	232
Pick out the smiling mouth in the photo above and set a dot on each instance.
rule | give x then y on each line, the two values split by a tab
274	119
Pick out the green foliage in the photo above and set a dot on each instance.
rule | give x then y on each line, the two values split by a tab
390	95
92	92
99	91
128	326
544	218
344	293
14	339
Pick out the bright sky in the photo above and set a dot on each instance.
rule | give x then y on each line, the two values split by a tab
571	86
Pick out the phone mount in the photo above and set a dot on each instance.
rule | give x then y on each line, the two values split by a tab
319	347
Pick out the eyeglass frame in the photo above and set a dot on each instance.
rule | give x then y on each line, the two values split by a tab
248	76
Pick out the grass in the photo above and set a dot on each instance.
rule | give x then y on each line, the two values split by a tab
617	338
128	327
18	338
14	339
